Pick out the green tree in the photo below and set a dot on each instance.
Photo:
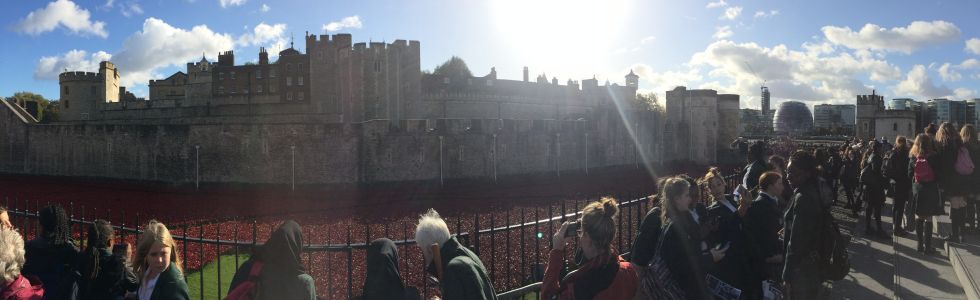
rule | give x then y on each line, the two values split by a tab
47	111
454	67
647	101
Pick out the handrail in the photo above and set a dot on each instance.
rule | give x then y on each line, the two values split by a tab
521	291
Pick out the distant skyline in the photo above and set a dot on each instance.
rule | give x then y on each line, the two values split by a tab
811	51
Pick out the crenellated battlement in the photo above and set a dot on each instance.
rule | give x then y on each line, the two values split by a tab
79	76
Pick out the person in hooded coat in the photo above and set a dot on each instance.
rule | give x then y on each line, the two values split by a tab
383	280
282	275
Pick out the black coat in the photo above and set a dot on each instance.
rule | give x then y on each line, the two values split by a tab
53	264
803	222
112	280
683	255
925	195
170	286
737	267
951	182
762	224
752	173
645	244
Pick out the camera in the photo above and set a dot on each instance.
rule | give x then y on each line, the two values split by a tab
573	229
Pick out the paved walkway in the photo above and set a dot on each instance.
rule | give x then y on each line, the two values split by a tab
890	268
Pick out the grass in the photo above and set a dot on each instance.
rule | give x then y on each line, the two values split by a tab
210	272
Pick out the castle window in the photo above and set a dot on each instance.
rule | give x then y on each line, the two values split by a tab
289	81
910	127
259	88
245	91
232	75
319	55
377	66
289	96
221	75
272	73
272	87
300	96
66	91
299	81
289	68
221	89
66	104
894	126
445	80
258	73
233	90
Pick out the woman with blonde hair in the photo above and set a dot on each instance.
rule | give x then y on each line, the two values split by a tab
952	183
926	201
968	134
157	264
603	275
681	241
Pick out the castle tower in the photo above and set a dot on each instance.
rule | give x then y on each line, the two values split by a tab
867	107
82	93
632	80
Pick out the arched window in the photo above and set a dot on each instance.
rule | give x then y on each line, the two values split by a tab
894	126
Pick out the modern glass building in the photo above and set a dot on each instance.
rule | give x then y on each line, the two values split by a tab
793	118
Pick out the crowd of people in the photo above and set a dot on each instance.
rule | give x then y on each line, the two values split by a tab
773	234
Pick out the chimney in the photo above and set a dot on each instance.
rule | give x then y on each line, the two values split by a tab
263	56
525	74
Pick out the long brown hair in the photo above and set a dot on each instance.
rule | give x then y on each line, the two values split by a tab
968	134
599	221
901	143
947	135
673	188
922	146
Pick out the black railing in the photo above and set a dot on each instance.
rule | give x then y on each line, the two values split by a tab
205	243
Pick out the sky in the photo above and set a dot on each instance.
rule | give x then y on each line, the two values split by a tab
811	51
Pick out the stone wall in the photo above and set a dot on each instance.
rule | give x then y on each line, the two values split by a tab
314	151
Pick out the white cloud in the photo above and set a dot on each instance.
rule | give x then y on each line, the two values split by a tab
722	32
950	72
108	4
667	80
348	22
161	45
265	8
917	35
64	13
764	14
131	9
918	84
229	3
647	40
720	3
973	46
731	13
48	67
269	36
949	75
964	93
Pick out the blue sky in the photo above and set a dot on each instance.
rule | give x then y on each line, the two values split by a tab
815	51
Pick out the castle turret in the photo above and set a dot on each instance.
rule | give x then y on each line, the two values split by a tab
632	80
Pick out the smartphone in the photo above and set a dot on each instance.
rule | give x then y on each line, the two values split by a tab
572	229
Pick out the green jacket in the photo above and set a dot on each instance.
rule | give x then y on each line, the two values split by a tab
170	286
464	276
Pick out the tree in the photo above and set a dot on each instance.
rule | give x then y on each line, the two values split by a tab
647	102
454	67
47	111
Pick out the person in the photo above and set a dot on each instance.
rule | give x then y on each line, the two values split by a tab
874	188
5	218
735	269
762	225
645	243
952	185
833	172
157	264
51	256
968	134
849	177
683	250
13	284
778	164
899	161
925	190
282	275
460	272
102	274
757	153
802	229
603	274
383	281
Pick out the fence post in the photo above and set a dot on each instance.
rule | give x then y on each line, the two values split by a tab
493	250
523	253
186	245
404	250
81	235
236	245
350	265
200	256
507	250
620	221
476	233
218	238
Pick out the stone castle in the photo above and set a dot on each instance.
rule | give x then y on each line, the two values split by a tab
341	112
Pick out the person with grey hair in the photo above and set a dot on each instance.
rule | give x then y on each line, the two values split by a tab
460	272
13	285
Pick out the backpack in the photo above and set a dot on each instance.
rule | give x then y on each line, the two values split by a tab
923	171
964	164
247	290
834	260
29	287
892	167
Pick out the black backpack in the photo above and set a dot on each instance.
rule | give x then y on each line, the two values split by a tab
892	167
832	253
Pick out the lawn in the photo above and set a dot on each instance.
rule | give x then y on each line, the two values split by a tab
228	268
